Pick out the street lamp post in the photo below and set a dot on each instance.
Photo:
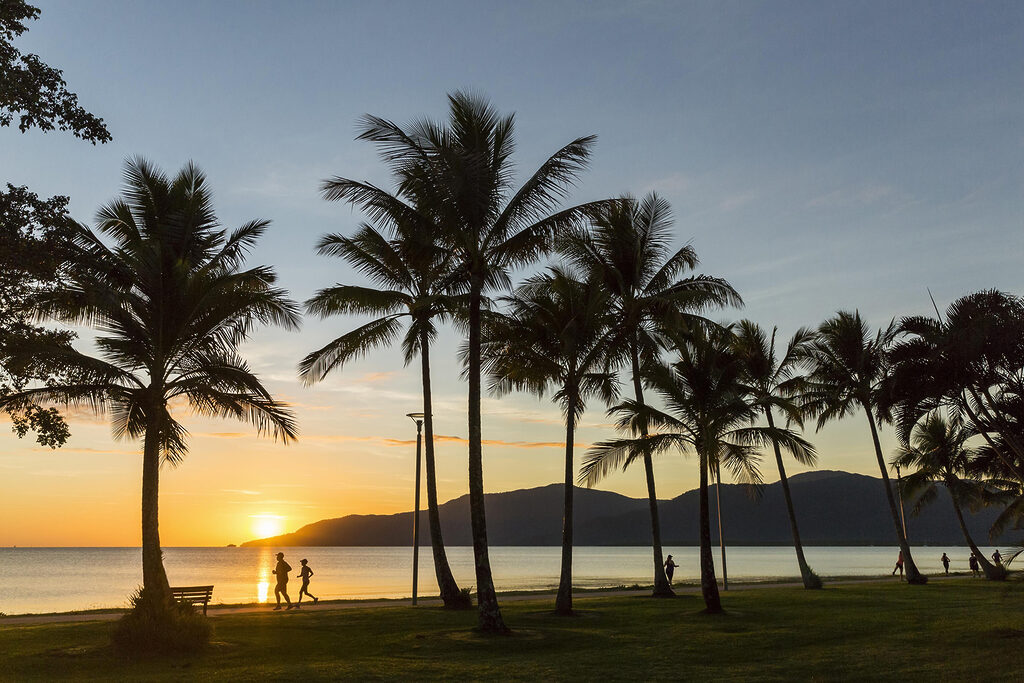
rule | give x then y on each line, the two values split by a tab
721	534
418	419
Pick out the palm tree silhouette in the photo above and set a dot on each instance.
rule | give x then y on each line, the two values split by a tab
416	284
939	453
627	248
554	338
457	178
707	412
171	302
848	368
775	384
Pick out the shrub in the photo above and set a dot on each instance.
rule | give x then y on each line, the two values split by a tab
157	627
463	601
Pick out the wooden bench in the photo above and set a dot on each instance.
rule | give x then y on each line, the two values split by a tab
193	595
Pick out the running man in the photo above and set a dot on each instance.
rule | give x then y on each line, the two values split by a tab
945	562
304	574
997	557
281	571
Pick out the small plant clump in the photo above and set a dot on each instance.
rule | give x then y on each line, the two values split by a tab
157	627
464	601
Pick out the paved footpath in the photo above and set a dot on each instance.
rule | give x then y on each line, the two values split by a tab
225	610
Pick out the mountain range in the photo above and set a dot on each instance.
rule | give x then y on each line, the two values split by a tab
833	508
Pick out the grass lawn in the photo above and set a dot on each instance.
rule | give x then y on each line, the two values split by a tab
951	630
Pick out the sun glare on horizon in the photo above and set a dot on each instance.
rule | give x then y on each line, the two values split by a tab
264	525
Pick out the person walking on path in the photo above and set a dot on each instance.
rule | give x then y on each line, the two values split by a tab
997	557
281	571
973	562
670	569
945	562
899	566
304	574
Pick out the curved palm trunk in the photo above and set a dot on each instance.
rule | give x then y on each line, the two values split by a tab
445	581
154	578
992	572
809	578
708	582
662	588
489	613
913	575
563	601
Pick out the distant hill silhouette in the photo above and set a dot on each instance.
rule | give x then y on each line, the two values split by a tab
833	508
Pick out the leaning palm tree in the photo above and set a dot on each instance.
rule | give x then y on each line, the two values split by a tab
167	291
708	412
627	248
938	453
848	368
457	178
554	338
774	384
415	284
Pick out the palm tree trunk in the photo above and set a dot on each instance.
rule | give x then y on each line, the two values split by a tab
445	581
708	582
662	588
563	601
992	572
809	578
489	613
154	577
913	575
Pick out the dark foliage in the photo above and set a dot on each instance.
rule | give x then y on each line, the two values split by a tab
155	627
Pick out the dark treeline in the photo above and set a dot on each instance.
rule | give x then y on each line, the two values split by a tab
623	321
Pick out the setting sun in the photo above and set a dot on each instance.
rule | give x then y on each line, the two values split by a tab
267	525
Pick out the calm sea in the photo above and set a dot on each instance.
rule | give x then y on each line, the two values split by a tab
63	579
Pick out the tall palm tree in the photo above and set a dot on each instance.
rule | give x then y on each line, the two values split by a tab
415	284
848	368
457	177
775	384
554	338
939	454
707	411
627	247
167	291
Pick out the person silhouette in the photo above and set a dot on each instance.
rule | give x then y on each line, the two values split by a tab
304	574
899	566
945	562
670	569
281	571
997	557
973	563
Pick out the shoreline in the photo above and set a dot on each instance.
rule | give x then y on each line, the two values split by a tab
221	609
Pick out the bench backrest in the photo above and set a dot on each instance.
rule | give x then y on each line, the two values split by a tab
187	592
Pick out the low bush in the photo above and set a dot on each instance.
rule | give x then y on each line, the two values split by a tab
155	626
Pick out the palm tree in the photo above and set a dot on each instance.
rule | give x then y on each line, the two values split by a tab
707	412
775	384
457	178
968	361
415	281
939	453
848	367
171	302
627	248
554	339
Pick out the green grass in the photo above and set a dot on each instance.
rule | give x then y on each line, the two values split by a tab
951	630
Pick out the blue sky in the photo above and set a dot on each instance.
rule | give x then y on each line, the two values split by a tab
819	155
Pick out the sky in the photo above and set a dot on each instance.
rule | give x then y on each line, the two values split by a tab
818	155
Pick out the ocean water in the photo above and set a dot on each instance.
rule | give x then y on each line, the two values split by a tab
64	579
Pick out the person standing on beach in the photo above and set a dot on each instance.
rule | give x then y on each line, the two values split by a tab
304	574
899	566
997	558
670	569
945	562
973	562
281	571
